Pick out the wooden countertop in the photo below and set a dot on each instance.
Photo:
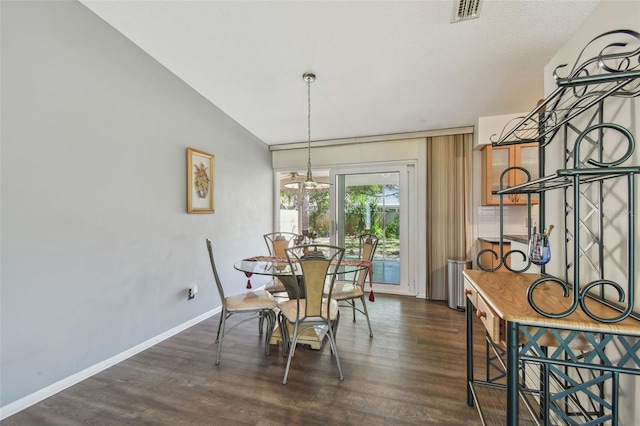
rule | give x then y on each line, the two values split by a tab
506	294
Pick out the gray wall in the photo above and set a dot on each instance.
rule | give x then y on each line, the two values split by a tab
97	250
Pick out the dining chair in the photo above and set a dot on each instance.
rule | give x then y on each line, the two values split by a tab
348	291
277	242
315	310
260	304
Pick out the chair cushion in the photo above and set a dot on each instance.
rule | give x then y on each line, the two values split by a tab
251	301
343	290
289	309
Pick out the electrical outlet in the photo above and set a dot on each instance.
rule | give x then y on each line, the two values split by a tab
193	291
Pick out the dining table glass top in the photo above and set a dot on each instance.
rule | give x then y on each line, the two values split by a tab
264	265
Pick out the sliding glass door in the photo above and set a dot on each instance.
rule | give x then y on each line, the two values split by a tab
375	200
372	200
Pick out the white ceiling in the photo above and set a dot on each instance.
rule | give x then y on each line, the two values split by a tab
382	66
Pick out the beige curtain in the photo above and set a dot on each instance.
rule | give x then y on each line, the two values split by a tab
449	160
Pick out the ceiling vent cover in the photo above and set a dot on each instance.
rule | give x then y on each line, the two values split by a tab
463	10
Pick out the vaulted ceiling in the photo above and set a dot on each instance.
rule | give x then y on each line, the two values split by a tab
382	66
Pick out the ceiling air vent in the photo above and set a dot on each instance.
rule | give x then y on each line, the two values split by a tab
463	10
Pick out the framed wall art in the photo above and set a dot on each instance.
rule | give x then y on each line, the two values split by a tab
200	181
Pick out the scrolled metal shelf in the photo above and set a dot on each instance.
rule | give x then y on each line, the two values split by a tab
612	71
607	67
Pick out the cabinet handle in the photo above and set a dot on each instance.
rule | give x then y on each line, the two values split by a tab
467	292
481	314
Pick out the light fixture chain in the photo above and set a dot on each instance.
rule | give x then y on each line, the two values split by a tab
308	123
309	183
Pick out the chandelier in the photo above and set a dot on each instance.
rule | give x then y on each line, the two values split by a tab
309	183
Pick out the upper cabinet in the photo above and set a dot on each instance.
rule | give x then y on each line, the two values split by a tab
496	159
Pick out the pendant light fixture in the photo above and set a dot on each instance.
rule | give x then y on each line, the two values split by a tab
309	183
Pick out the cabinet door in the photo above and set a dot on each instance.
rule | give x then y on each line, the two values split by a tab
526	156
495	160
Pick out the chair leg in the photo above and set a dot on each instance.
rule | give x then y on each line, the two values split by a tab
223	319
260	322
334	349
334	324
219	326
284	334
292	349
366	314
353	308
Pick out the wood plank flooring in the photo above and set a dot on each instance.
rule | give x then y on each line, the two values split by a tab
411	372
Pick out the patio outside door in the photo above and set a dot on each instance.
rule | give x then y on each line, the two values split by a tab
371	201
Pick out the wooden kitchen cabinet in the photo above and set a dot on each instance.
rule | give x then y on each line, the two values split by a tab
487	260
496	159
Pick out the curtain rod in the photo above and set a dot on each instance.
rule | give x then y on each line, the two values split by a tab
377	138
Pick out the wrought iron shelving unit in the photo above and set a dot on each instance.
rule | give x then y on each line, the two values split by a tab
576	379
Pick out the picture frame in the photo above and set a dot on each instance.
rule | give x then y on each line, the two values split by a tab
200	181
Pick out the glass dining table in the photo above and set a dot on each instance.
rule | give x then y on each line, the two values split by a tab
290	276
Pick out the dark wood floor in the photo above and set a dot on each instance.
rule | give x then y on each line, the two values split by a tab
411	372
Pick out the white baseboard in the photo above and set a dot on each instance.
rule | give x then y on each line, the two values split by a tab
44	393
